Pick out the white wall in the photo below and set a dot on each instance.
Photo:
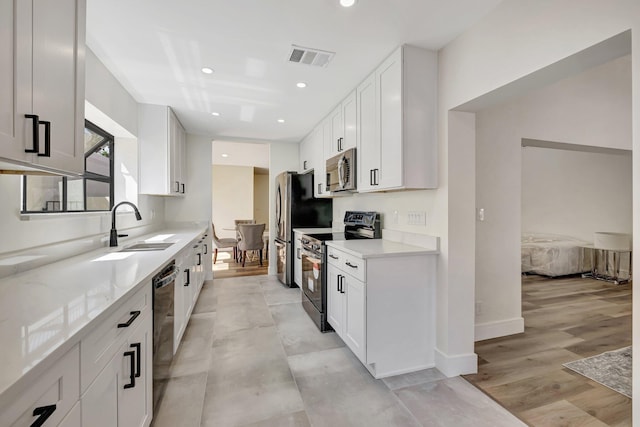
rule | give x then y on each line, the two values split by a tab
515	43
232	196
574	193
592	108
261	198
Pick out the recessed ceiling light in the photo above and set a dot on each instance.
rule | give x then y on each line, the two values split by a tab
301	84
347	3
215	114
224	155
207	70
280	120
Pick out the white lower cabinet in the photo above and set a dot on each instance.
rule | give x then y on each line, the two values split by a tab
382	308
49	398
121	395
346	309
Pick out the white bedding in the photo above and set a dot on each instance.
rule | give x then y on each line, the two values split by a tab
554	255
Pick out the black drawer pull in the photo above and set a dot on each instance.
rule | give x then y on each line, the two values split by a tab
132	375
205	249
348	264
177	186
136	346
182	191
43	413
134	316
47	139
36	133
333	257
188	271
199	258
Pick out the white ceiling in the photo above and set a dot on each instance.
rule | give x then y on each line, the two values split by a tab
240	154
156	49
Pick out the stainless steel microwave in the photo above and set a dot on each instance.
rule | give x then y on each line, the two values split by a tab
341	171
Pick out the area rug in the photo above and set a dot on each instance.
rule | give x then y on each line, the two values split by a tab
611	369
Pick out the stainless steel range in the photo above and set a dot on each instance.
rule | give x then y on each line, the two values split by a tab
357	225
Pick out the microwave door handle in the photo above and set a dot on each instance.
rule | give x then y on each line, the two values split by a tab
341	171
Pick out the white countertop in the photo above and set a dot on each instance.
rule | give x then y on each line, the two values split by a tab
45	311
378	248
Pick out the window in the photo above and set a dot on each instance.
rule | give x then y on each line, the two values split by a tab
93	191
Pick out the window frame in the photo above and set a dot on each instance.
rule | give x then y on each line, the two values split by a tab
108	140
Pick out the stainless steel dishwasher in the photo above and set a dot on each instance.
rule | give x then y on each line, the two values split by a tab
163	317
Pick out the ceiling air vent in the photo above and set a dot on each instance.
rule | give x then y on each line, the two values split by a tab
309	56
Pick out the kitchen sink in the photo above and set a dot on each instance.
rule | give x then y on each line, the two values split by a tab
143	246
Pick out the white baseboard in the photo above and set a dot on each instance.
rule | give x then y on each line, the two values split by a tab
500	328
459	364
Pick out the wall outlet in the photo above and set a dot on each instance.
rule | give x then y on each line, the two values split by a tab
395	217
480	213
417	218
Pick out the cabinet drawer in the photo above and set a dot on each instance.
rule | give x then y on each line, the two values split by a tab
353	265
335	257
97	348
51	396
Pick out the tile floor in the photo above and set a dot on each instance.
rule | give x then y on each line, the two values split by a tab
252	357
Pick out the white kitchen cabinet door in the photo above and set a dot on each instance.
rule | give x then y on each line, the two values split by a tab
42	74
368	152
335	299
320	165
333	145
349	122
389	98
73	418
161	151
135	408
121	395
306	154
180	295
297	261
354	325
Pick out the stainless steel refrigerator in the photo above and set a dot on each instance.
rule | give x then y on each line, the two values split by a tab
296	208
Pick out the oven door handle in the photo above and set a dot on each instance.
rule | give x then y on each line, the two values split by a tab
169	277
312	257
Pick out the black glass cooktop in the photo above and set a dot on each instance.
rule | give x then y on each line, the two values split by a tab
323	237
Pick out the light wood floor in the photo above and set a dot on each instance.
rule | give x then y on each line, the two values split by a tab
565	319
226	266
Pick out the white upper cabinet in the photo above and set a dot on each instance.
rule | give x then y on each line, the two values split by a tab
162	146
343	126
306	154
399	149
368	141
42	84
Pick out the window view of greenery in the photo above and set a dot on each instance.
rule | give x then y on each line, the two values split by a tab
91	192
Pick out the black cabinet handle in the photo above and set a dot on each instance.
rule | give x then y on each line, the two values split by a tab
177	186
338	283
36	133
136	346
132	375
375	174
370	176
47	139
340	143
348	264
199	258
205	249
304	165
134	316
43	413
182	191
188	271
333	256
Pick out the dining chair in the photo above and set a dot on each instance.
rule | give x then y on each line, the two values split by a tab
238	222
250	240
223	244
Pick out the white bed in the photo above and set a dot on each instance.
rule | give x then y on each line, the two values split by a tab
554	255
